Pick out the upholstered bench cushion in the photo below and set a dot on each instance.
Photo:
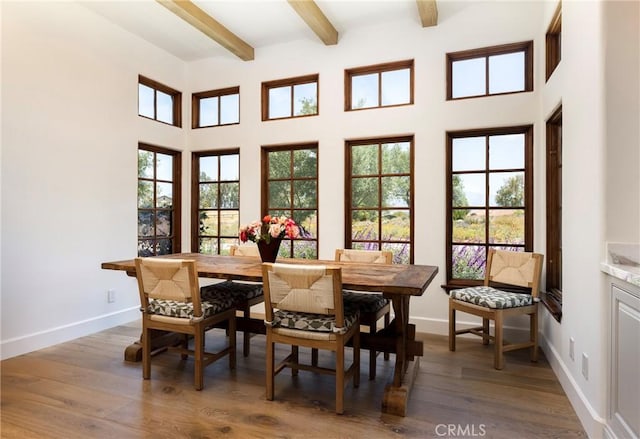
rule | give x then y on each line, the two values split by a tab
312	322
364	302
491	298
172	308
237	291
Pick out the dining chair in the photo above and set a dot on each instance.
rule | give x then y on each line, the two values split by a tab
494	301
303	307
245	294
170	301
372	306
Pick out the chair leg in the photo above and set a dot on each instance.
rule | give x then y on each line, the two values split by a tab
387	321
232	328
146	353
314	357
246	334
485	331
295	357
452	328
340	379
356	359
534	336
270	368
372	354
198	341
185	346
498	360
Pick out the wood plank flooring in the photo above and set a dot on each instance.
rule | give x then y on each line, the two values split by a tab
84	389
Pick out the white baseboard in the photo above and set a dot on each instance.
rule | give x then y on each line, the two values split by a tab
39	340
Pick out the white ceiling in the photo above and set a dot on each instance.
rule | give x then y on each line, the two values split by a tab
259	23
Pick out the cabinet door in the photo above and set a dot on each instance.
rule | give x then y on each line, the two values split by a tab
625	363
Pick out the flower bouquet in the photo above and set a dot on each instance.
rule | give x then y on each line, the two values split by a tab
268	234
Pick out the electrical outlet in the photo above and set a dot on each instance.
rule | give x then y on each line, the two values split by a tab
572	345
585	366
111	296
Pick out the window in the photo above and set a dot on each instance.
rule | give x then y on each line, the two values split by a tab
553	261
490	71
293	97
215	108
381	85
159	102
489	198
379	196
554	42
158	201
290	188
215	201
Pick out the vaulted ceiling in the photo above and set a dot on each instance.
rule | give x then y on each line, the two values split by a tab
198	29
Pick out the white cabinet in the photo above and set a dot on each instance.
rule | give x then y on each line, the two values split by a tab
624	377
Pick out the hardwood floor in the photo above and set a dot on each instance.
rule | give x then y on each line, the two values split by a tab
84	389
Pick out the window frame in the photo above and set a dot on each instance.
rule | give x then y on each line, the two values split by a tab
528	207
553	261
176	98
486	52
289	82
348	209
379	69
195	105
553	43
176	210
264	193
195	197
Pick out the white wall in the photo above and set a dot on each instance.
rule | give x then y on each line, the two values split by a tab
69	139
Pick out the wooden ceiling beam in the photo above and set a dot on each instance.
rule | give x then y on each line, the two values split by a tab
309	11
428	12
205	23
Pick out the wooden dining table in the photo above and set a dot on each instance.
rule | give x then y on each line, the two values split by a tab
397	282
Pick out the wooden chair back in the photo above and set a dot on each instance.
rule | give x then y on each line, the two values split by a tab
522	269
364	256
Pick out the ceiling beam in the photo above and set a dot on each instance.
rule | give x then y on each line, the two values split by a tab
205	23
428	12
316	20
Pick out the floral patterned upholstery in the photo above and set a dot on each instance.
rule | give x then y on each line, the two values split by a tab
490	297
184	310
237	291
312	322
365	303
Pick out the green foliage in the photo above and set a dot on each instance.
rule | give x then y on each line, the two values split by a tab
511	193
309	106
459	198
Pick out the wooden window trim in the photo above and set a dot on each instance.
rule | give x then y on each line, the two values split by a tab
553	43
176	241
553	260
290	82
379	69
264	179
527	130
195	105
176	100
486	52
348	188
195	193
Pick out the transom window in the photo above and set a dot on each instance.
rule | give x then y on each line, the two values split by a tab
380	85
292	97
553	41
379	196
216	201
490	71
290	188
159	102
489	198
158	200
215	107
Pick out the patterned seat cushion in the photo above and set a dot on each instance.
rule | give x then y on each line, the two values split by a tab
172	308
365	303
491	298
312	322
237	291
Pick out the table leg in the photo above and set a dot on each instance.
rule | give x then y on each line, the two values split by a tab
396	393
160	340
